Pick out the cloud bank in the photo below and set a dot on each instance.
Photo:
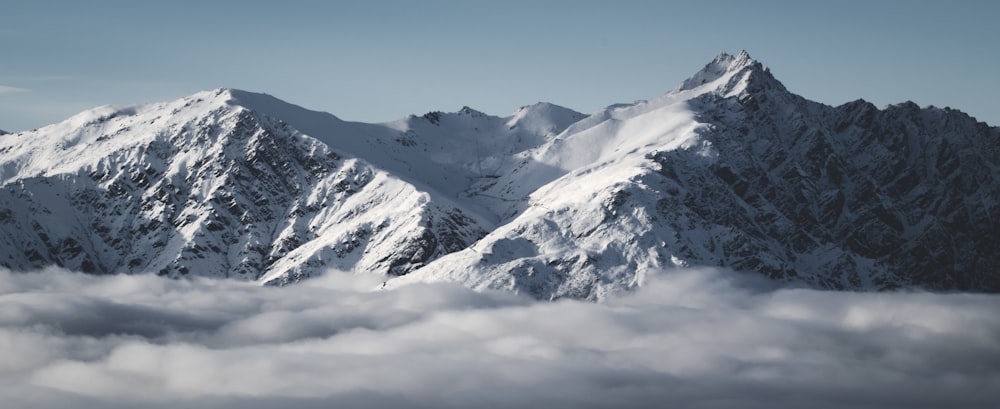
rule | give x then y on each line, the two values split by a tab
688	339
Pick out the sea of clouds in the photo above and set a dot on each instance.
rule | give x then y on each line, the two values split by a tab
697	338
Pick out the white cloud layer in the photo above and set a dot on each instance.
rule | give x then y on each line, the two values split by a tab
691	339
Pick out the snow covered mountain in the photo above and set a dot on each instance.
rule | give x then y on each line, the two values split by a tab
210	185
729	169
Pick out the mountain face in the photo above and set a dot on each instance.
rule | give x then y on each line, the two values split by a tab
729	169
209	185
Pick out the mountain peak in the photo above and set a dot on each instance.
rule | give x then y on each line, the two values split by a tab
545	108
466	110
734	61
724	65
263	103
544	118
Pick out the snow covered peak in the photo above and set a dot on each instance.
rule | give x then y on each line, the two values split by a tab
303	119
544	108
734	61
728	74
544	118
466	110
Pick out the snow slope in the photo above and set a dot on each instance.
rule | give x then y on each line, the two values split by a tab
728	169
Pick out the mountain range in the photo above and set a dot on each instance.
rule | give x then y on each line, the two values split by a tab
730	169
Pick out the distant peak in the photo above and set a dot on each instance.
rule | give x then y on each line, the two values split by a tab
220	96
466	110
544	107
262	102
730	61
722	65
238	95
729	74
231	96
537	105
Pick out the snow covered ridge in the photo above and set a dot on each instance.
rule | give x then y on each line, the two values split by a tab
728	169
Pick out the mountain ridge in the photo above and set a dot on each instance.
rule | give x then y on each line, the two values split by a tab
728	169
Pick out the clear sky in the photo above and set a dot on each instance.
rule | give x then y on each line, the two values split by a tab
381	60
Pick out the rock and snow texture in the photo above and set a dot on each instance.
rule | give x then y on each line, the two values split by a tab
211	185
729	169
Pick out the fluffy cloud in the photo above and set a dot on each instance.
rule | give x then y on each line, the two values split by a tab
688	339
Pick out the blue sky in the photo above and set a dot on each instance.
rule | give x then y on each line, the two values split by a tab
381	60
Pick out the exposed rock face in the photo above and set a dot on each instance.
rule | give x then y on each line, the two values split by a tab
852	196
